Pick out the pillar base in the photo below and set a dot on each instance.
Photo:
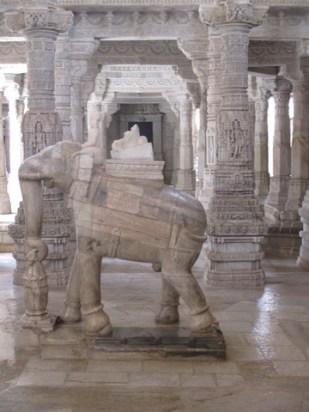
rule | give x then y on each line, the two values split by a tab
244	280
282	244
261	184
276	199
235	262
44	323
303	263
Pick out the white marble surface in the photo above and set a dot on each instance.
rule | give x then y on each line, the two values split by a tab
268	358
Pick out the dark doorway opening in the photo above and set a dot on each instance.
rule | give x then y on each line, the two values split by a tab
145	129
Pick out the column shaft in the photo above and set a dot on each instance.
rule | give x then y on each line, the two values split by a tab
261	144
299	153
5	206
279	183
185	177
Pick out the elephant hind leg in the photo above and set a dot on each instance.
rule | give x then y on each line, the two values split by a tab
168	313
176	269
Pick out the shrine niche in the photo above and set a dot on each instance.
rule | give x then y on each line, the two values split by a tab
157	122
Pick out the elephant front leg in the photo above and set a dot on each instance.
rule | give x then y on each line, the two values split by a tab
96	320
168	313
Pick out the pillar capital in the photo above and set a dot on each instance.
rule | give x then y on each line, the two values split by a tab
282	91
39	19
229	12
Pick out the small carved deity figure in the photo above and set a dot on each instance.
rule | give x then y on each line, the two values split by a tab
236	140
132	146
40	140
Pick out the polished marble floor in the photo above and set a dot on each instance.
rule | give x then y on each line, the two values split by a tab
267	335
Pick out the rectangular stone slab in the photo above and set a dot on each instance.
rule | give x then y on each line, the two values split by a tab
167	341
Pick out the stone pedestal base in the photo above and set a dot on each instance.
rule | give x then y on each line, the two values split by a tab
235	262
281	244
43	324
70	342
166	341
297	189
277	197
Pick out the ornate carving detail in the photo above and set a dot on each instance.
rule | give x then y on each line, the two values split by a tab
141	23
229	11
271	51
39	131
158	48
13	48
234	137
50	19
119	18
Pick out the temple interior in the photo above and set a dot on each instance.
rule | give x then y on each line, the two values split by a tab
219	91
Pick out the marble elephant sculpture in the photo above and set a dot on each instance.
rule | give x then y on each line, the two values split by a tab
126	218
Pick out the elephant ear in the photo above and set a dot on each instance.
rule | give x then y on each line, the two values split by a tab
83	164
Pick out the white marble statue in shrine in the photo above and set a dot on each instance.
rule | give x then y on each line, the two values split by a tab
132	146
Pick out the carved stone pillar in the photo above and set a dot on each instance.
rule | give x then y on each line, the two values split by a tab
299	152
82	83
41	128
183	175
279	183
12	93
261	141
63	84
196	51
5	205
235	220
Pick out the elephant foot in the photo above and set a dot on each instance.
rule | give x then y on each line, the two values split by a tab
203	322
157	267
168	315
97	323
72	314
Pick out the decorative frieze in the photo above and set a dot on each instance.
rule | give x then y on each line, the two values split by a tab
122	23
276	52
